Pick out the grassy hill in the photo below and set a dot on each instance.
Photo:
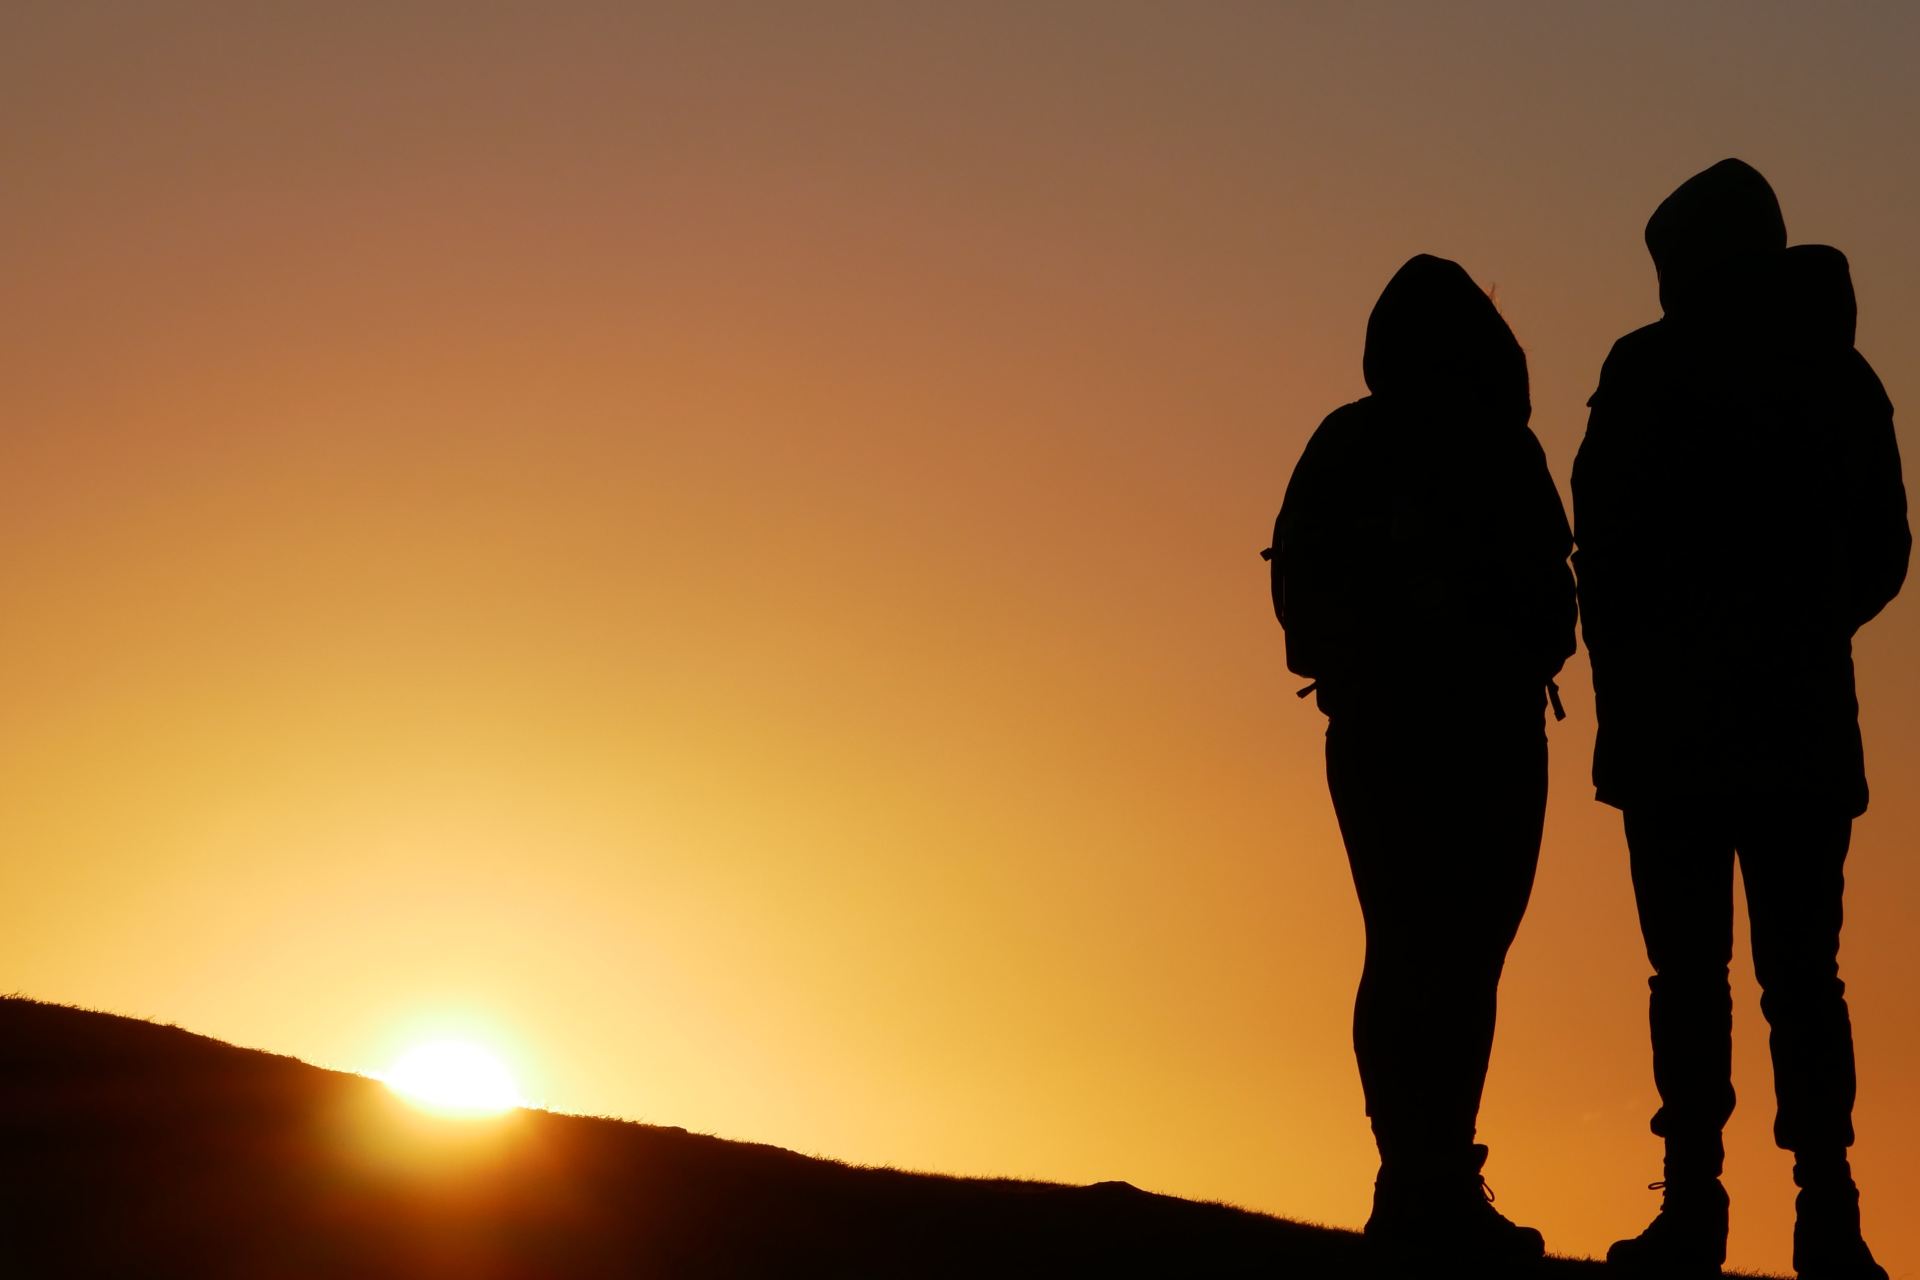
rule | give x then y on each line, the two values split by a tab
129	1149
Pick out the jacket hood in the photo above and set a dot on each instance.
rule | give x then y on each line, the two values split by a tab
1815	292
1713	220
1435	334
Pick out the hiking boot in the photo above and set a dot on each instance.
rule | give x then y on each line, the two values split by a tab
1687	1238
1826	1235
1440	1214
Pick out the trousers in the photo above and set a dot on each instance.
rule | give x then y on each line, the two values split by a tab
1792	864
1442	824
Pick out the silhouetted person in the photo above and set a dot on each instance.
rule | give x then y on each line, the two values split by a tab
1739	513
1420	571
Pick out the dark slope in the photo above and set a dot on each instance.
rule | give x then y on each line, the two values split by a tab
131	1149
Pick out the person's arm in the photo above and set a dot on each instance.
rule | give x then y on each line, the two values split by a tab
1313	552
1873	501
1597	524
1547	587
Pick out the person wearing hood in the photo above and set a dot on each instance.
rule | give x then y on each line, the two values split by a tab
1419	568
1738	515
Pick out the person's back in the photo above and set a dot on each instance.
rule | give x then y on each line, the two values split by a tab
1420	572
1421	549
1738	514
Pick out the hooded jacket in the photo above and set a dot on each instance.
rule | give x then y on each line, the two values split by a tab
1738	514
1420	555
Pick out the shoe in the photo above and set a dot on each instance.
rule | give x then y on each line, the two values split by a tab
1438	1218
1687	1238
1826	1235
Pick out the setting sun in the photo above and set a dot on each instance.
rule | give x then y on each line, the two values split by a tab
453	1076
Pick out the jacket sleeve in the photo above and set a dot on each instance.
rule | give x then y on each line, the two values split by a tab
1311	549
1598	527
1873	497
1546	588
1616	561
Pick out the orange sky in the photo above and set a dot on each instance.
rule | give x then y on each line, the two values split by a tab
716	546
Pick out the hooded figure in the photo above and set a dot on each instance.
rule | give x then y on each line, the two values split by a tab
1420	554
1420	571
1739	514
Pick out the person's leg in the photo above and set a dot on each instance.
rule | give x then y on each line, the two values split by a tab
1367	779
1683	890
1443	858
1794	869
1443	849
1494	810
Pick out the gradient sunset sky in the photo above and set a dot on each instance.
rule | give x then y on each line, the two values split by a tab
713	545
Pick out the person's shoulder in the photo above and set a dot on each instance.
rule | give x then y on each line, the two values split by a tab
1355	415
1647	340
1344	427
1863	385
1524	442
1635	359
1326	464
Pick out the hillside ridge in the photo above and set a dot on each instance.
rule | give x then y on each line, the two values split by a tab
136	1148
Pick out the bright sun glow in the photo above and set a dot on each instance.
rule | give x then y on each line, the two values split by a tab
456	1076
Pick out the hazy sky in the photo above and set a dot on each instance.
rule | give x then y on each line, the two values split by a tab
714	545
